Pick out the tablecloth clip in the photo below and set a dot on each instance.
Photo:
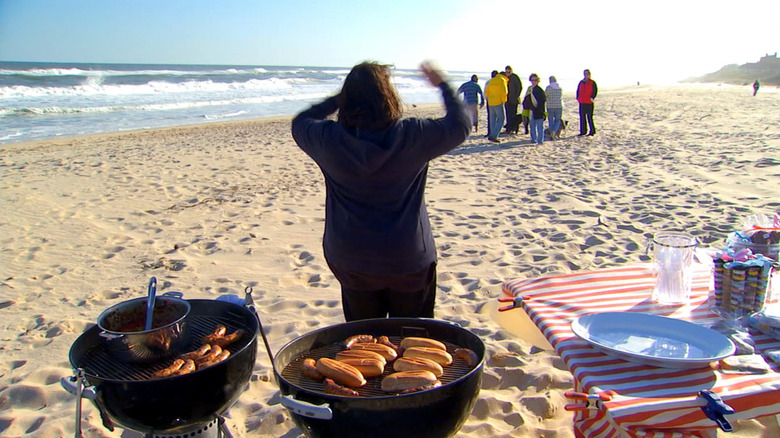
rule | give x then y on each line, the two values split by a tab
516	302
715	409
592	401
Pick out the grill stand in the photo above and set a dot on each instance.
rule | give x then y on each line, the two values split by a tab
213	429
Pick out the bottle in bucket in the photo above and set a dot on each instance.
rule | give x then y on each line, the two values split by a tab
673	267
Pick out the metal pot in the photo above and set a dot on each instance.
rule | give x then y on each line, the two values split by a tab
438	412
123	331
128	394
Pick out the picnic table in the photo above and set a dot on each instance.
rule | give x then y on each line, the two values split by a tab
643	400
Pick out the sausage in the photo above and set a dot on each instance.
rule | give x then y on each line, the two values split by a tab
222	356
215	351
166	372
468	355
435	384
188	367
384	340
200	352
332	387
358	339
309	369
225	340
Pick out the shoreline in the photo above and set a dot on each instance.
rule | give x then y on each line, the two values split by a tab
210	209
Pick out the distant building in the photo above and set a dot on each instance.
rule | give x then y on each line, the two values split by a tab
767	63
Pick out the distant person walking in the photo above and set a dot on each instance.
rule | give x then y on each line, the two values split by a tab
496	91
537	99
471	90
586	93
756	86
554	107
512	101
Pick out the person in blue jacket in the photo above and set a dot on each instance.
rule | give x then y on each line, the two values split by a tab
378	240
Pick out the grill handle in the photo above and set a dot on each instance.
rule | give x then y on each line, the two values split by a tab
306	409
249	302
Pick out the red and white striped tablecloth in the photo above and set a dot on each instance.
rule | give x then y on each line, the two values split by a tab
649	401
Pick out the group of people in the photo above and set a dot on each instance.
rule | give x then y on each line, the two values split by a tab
378	240
502	93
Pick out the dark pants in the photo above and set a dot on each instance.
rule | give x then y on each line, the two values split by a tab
586	114
394	299
512	119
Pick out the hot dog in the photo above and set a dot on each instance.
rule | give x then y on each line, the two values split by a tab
309	369
166	372
340	372
222	356
332	387
202	351
403	380
469	356
188	367
215	351
439	356
359	339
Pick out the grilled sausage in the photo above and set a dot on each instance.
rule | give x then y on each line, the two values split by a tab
359	339
222	356
340	372
422	342
200	352
309	369
439	356
384	340
469	356
332	387
435	384
166	372
215	351
188	367
402	380
418	363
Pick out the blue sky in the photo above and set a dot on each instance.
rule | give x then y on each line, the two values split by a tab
646	40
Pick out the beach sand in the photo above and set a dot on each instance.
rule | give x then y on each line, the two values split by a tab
212	209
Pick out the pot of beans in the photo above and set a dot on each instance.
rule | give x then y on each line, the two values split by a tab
123	328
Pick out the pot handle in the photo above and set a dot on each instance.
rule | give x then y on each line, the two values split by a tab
109	336
306	409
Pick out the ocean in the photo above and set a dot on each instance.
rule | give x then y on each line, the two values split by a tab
47	100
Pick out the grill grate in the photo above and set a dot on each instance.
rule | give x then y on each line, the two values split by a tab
373	388
98	361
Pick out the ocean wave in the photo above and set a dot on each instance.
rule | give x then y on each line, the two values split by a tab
55	110
96	87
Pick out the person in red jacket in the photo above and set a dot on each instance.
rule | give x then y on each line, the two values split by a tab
586	93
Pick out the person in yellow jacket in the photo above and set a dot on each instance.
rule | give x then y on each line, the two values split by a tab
496	91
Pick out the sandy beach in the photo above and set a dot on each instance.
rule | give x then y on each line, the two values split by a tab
215	208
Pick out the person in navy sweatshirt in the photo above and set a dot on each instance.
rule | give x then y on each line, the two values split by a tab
378	240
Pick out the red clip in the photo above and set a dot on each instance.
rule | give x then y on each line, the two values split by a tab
592	401
516	302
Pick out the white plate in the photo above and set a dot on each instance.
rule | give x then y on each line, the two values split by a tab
653	340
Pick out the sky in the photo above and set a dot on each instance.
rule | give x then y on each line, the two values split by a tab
629	40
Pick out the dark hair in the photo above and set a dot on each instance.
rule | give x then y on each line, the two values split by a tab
368	98
475	78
